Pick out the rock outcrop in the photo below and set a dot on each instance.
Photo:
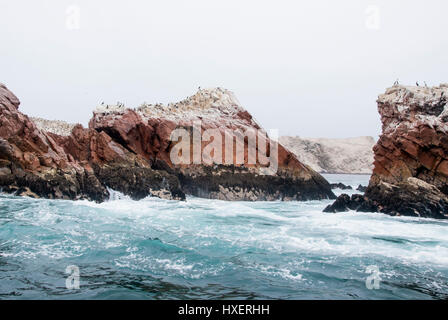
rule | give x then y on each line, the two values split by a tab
349	156
79	166
130	150
411	157
147	131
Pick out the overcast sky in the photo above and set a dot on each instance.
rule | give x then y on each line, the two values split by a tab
308	68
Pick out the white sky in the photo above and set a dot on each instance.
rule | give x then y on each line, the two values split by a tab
308	68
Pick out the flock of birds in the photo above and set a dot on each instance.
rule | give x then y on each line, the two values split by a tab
397	82
121	104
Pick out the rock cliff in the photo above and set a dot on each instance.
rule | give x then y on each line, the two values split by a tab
79	166
224	173
131	151
411	157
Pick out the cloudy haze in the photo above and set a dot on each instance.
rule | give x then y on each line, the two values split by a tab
308	68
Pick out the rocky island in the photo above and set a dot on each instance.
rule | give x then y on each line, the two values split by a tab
130	150
411	157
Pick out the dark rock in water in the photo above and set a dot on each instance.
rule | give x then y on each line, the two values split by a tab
341	204
356	203
414	198
340	186
410	175
140	182
234	183
361	188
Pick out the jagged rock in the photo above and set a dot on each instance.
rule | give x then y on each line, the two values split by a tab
356	203
341	204
340	186
78	166
146	131
411	157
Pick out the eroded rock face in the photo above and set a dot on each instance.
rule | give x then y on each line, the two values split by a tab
411	157
146	131
78	166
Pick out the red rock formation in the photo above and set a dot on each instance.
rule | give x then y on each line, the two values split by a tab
146	131
79	166
411	157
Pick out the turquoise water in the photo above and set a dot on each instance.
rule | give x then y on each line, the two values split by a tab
207	249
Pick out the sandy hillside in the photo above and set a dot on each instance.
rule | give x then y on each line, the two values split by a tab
351	155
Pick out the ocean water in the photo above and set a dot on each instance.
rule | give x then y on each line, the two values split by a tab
207	249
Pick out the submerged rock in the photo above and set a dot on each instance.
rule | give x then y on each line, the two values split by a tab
411	157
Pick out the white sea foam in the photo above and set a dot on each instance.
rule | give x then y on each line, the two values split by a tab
294	242
303	227
349	234
116	195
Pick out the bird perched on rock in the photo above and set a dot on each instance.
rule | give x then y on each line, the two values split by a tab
396	83
417	84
